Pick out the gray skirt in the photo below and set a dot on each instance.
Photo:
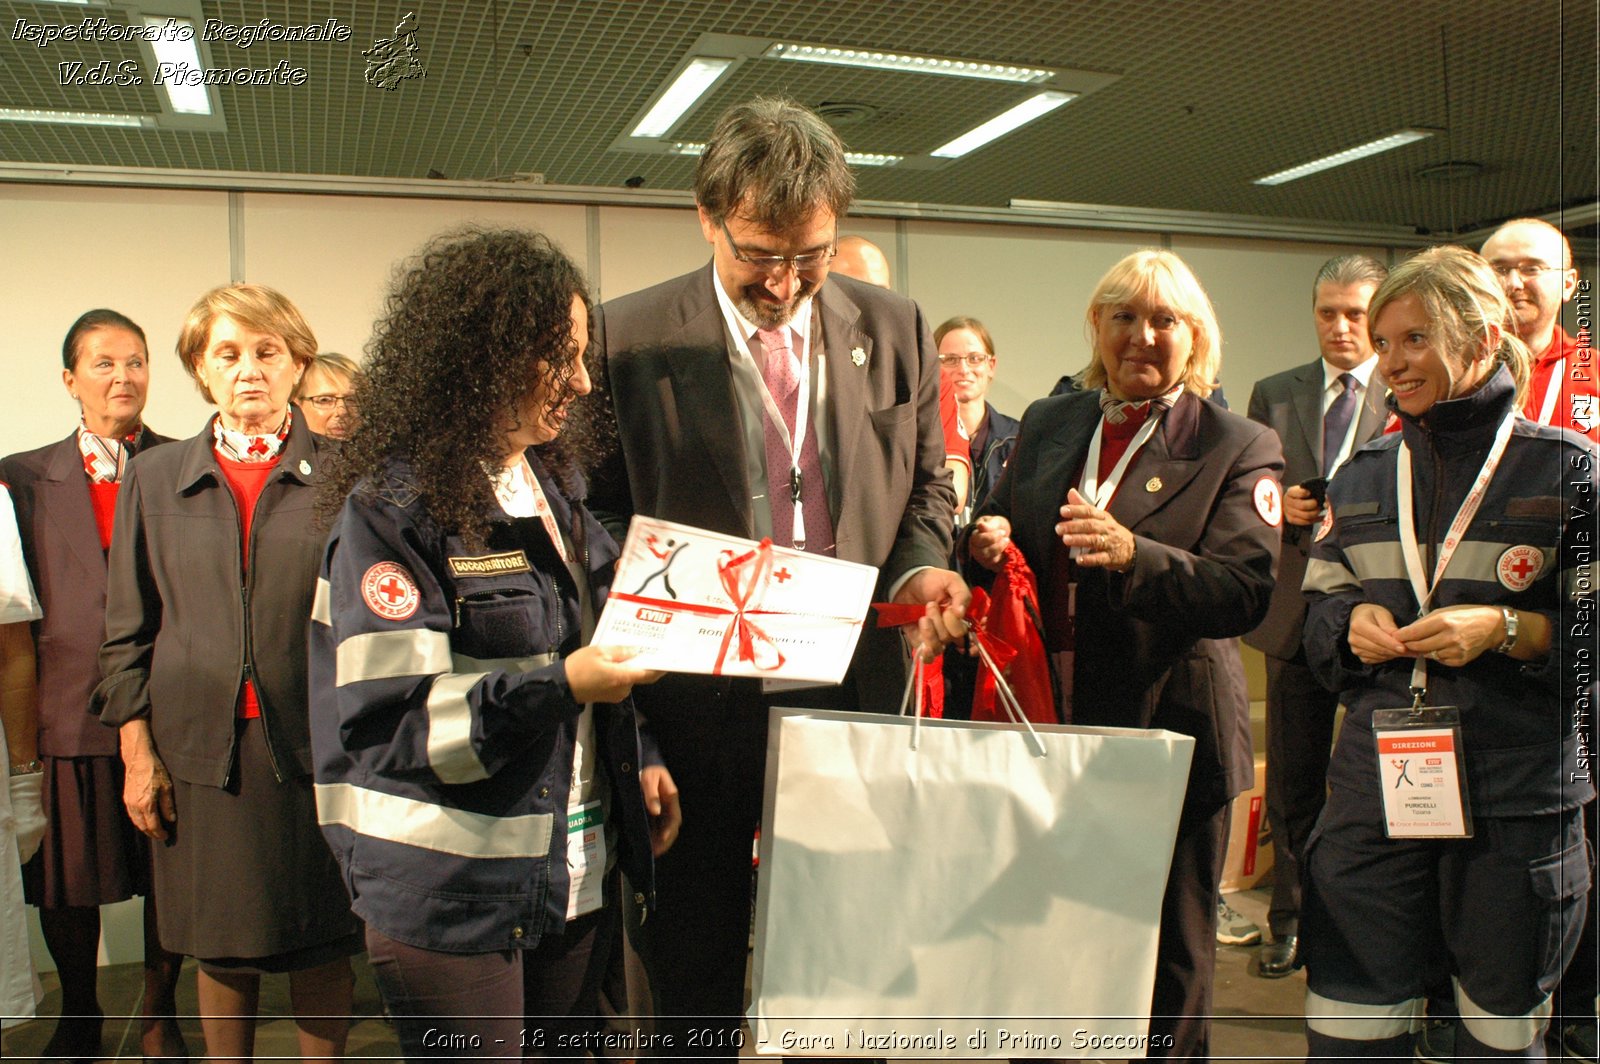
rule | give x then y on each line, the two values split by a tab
245	879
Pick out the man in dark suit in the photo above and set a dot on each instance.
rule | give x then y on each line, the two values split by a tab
1322	411
752	397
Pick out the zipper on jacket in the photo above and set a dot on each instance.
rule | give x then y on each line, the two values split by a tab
248	672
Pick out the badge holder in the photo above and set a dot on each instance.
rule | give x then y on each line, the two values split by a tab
1422	772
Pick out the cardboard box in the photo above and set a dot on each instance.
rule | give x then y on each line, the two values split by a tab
1249	838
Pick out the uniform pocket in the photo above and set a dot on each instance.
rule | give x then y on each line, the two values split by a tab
498	618
1561	884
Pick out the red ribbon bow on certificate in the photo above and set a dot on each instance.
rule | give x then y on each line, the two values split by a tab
744	579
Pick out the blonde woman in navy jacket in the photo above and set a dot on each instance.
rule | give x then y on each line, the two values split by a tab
479	768
1506	640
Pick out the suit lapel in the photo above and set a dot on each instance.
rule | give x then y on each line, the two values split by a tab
1372	415
1160	471
836	329
1307	398
1062	455
62	495
702	385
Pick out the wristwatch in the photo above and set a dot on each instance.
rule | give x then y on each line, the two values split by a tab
1511	621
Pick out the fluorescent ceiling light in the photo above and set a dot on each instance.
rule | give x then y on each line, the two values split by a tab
1349	155
72	118
854	158
1033	107
867	158
686	89
916	64
186	99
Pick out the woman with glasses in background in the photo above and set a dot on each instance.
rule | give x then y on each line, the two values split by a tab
326	394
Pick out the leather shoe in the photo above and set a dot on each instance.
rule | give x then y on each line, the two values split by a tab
1280	957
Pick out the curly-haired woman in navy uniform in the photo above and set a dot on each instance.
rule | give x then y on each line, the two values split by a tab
479	769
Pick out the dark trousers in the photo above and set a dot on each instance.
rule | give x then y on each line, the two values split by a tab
1186	955
1502	910
696	943
1300	714
533	1004
1575	997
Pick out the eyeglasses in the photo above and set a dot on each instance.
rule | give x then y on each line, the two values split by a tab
1526	270
771	264
973	361
327	403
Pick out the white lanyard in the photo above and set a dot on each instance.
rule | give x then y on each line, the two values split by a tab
1409	550
1100	494
801	417
1552	391
506	490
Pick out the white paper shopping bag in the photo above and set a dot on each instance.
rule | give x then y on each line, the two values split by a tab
970	897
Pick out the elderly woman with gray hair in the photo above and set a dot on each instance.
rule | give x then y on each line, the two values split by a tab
212	572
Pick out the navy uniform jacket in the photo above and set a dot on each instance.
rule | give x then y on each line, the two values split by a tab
1157	646
443	726
1529	547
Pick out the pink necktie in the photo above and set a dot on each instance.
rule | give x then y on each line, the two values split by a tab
773	354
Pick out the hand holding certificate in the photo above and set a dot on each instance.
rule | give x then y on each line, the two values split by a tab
689	600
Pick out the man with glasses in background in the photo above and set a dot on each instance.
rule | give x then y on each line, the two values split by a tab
753	397
1534	263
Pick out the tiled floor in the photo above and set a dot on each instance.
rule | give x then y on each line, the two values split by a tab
1255	1018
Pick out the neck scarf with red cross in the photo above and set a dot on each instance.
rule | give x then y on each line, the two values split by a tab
104	457
246	447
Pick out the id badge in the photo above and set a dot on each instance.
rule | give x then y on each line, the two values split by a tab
586	858
1422	773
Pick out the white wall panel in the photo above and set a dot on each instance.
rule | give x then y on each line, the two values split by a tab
144	252
333	255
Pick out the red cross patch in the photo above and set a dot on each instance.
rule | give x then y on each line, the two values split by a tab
1519	567
1327	523
389	591
1269	501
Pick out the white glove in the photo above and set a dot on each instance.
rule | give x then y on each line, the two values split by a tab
27	809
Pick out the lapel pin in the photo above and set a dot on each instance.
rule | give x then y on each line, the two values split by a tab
858	356
1153	485
305	468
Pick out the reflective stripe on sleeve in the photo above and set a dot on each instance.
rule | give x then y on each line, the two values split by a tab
450	752
432	827
1473	560
322	603
1505	1033
1328	577
1360	1023
462	663
385	655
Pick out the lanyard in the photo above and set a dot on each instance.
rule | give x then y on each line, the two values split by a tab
1101	494
792	444
507	484
1552	391
1409	550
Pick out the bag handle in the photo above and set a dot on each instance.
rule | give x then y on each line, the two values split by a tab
911	698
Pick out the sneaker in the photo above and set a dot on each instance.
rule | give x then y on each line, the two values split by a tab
1578	1041
1233	929
1436	1041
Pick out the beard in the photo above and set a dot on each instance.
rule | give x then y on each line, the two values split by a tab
765	314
